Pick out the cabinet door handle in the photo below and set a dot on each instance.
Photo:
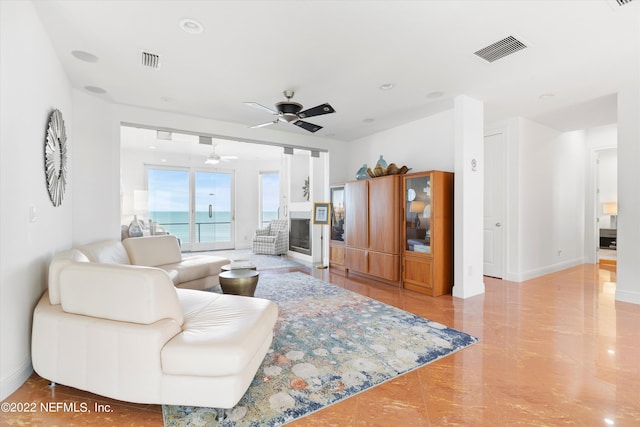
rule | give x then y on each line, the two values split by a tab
498	224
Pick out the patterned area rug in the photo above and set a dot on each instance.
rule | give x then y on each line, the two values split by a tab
329	344
262	262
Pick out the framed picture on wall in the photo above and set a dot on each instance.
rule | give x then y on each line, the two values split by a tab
321	213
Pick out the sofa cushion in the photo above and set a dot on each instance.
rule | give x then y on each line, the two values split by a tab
59	261
153	250
220	335
124	293
106	252
194	267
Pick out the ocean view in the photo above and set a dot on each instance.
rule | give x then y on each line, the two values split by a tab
214	229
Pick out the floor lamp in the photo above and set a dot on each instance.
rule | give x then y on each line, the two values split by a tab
321	217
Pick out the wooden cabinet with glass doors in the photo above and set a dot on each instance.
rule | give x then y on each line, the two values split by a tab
427	255
336	243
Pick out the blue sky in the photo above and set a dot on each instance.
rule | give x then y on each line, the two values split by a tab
169	191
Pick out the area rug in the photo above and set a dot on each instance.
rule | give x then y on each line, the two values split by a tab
262	262
329	344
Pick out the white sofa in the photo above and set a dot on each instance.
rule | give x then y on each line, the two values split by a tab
193	272
126	332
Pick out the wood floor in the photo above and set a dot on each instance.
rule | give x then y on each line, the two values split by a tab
556	350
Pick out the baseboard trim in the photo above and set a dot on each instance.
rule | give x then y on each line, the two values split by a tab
532	274
14	381
625	296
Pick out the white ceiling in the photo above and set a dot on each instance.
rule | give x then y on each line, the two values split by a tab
342	51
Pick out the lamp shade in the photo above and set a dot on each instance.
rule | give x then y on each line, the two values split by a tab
610	208
416	206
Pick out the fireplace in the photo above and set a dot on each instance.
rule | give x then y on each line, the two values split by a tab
300	233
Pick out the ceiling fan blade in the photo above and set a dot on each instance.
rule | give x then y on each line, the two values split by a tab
317	111
227	158
264	124
307	126
261	107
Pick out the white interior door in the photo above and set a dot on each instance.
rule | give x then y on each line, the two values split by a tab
494	181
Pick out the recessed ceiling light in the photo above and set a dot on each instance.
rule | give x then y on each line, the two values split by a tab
369	120
435	94
84	56
152	147
95	89
386	86
191	26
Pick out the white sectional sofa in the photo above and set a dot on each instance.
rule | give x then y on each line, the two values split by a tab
127	332
192	272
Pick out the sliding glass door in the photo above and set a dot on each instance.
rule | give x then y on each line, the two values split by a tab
196	206
213	224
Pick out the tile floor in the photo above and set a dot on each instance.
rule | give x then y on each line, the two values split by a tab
556	350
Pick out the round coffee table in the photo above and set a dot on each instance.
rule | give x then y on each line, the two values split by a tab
234	266
239	282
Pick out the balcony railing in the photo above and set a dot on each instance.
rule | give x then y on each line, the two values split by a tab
205	231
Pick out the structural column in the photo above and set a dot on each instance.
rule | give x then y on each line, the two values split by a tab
469	197
628	236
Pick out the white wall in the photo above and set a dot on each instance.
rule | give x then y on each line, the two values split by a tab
97	191
628	256
549	201
33	84
425	144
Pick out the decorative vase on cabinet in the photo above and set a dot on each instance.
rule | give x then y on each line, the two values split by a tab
382	162
427	254
362	173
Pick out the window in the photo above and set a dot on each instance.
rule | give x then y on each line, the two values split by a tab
195	206
269	197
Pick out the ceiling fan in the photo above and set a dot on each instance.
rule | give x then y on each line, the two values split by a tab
213	158
290	112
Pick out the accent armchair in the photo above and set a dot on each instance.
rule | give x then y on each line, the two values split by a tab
272	239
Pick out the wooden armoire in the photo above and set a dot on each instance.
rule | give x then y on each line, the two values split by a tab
373	220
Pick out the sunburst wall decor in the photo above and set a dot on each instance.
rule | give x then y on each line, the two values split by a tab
55	158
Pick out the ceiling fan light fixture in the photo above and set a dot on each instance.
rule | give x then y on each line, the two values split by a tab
290	112
212	160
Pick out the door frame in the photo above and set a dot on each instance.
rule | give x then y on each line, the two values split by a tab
502	208
211	246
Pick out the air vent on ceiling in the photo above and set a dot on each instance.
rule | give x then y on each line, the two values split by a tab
500	49
150	60
622	2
